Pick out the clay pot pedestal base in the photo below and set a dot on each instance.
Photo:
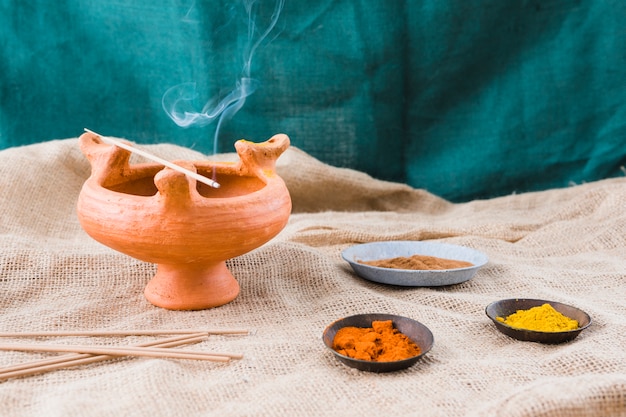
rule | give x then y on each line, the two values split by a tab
188	229
192	287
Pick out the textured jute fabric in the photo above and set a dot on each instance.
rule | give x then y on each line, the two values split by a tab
565	245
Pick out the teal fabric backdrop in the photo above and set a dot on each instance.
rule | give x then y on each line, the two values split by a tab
467	99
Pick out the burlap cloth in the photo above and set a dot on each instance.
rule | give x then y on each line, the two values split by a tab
565	245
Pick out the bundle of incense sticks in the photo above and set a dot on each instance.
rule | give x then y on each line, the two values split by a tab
85	354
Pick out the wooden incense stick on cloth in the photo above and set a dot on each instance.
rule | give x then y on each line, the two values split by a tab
125	332
76	359
90	354
153	352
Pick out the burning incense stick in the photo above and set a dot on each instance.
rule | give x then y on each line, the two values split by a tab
155	158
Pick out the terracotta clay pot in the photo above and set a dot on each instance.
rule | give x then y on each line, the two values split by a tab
189	229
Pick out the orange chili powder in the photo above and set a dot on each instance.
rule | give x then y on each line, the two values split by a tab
418	262
379	343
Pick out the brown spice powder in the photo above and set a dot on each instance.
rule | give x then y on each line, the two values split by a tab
418	262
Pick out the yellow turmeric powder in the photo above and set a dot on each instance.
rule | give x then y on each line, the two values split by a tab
542	319
379	343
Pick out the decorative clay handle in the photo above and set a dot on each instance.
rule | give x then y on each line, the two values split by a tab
260	158
108	162
176	190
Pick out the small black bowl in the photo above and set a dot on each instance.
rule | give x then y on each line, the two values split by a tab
414	330
504	308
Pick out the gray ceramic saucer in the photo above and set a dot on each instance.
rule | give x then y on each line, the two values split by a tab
407	277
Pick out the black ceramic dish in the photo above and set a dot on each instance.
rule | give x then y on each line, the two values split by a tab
414	330
504	308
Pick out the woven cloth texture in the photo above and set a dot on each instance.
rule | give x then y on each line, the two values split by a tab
565	245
